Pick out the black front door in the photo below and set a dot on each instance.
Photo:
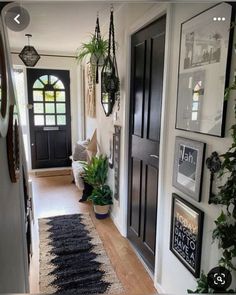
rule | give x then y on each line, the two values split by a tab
49	116
147	57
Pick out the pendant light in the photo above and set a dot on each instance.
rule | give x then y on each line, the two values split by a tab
29	55
110	85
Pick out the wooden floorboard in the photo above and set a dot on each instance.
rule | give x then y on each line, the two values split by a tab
57	196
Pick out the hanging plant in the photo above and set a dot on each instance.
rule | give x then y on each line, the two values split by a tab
225	225
96	49
110	80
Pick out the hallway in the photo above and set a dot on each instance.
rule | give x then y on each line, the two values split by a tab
58	196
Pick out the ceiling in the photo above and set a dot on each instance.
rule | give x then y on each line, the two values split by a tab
60	27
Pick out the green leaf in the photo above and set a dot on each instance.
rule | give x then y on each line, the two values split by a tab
221	218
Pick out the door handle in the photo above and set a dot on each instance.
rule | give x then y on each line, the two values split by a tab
154	156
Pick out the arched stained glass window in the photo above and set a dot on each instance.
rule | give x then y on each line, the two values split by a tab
49	101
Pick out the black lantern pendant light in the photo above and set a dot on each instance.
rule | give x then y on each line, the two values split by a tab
29	55
110	80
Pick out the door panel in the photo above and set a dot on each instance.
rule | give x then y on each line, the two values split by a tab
140	52
151	207
59	143
147	63
50	121
157	65
136	194
41	145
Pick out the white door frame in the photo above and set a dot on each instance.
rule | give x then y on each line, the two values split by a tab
153	14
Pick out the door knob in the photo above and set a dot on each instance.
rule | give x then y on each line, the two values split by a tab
32	144
154	156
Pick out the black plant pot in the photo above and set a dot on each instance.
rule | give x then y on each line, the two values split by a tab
88	189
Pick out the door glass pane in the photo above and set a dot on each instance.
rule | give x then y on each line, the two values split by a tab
105	105
44	79
60	96
38	95
53	79
49	95
49	108
195	106
38	108
194	116
38	84
61	108
50	120
38	120
61	120
59	85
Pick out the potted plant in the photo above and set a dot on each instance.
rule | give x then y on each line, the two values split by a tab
95	48
95	173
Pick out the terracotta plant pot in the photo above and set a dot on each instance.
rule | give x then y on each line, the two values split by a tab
101	212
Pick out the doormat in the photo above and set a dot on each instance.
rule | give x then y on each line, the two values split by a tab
51	172
73	259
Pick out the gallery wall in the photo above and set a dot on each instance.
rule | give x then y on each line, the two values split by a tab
170	274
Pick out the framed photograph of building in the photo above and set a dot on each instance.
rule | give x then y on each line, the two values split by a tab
204	68
188	166
186	234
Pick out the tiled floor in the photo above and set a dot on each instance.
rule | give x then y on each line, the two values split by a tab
57	196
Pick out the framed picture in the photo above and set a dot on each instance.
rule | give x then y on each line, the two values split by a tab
117	143
13	145
186	234
4	85
111	152
188	166
204	68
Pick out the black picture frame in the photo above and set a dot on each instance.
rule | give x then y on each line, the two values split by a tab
188	166
117	143
190	115
13	144
5	80
111	152
186	248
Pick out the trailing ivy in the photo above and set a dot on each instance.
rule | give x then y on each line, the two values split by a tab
225	225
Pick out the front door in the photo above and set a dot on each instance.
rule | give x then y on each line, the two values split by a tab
49	116
147	57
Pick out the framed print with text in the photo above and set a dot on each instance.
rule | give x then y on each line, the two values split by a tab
186	234
188	166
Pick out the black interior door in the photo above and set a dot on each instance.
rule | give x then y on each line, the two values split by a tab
147	57
49	116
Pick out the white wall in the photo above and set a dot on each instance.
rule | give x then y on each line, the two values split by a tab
13	246
64	63
170	275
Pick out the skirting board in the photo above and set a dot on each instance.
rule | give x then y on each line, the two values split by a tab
120	229
160	290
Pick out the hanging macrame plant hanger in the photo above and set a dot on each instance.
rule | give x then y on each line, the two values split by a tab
97	58
110	84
